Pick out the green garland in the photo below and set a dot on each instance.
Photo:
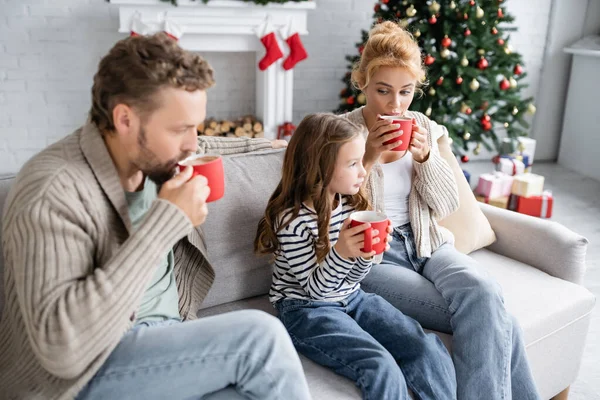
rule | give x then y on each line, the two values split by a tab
262	2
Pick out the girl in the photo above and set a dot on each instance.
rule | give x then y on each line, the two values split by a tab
319	267
423	275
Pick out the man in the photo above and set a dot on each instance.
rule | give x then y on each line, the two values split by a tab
103	261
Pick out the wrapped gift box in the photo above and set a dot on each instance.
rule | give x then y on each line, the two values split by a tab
526	146
497	184
510	165
467	175
501	202
536	206
527	185
508	146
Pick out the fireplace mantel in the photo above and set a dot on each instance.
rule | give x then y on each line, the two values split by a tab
229	26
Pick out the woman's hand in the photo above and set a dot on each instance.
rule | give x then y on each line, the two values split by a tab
379	133
419	143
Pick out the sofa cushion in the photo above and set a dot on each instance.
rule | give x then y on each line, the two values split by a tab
554	315
5	183
471	229
231	226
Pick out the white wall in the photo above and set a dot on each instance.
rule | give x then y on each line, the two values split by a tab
49	51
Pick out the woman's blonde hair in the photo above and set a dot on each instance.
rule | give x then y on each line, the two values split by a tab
308	168
389	45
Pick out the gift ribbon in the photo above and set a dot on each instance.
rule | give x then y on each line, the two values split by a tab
544	213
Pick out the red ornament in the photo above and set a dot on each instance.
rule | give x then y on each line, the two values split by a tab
440	81
432	20
494	31
285	131
518	69
465	16
467	32
361	49
485	118
472	2
464	159
468	111
501	42
500	13
459	80
504	84
429	59
385	1
350	100
482	63
446	41
398	14
486	126
377	7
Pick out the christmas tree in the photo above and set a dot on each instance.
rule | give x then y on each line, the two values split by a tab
474	77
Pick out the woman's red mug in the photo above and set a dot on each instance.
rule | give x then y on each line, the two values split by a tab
406	128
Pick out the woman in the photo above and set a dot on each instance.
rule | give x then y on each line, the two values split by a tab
422	274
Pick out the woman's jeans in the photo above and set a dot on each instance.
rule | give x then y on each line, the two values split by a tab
451	293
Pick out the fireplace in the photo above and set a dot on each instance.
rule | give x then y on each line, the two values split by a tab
228	26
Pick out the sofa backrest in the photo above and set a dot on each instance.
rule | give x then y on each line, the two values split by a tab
230	227
5	182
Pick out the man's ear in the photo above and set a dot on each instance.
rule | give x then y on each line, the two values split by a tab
125	119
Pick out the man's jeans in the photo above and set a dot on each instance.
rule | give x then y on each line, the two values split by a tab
237	355
369	341
451	293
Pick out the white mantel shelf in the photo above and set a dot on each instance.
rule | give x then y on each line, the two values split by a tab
229	26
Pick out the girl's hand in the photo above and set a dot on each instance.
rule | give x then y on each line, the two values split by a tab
352	240
419	143
380	132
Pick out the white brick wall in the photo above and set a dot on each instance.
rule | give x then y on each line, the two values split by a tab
49	50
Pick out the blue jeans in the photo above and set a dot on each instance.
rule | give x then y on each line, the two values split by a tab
451	293
366	339
237	355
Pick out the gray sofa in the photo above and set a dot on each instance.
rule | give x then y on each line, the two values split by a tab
540	265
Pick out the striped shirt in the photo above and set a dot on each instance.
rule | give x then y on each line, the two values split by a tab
297	273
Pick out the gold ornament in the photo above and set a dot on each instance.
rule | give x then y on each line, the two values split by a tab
506	125
521	147
474	85
410	11
463	108
508	49
531	109
445	53
481	52
464	62
513	82
434	7
479	12
405	3
417	33
428	111
515	111
482	22
477	149
361	98
452	5
467	136
432	92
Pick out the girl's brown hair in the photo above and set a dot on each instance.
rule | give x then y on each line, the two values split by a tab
389	45
307	171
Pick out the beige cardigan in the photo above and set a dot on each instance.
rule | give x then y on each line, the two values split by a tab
434	193
74	272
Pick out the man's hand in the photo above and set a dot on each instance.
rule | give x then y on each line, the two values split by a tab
187	194
279	144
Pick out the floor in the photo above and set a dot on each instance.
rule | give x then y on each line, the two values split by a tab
577	206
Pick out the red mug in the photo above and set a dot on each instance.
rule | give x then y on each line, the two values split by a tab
211	167
378	221
406	128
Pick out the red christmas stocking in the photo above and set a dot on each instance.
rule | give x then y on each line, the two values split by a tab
297	52
173	30
273	51
138	28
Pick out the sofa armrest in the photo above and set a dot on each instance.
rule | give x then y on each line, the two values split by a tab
543	244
